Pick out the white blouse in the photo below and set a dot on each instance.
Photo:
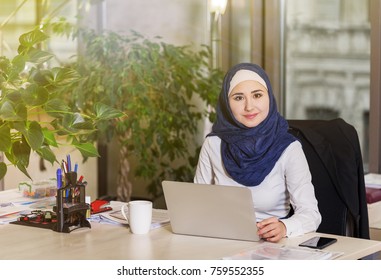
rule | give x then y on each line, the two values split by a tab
288	182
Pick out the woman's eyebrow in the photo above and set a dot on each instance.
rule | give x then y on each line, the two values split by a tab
236	93
257	90
241	93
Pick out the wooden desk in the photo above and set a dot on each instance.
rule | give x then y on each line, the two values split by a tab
374	212
117	243
112	242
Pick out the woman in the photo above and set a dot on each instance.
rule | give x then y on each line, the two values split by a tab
250	146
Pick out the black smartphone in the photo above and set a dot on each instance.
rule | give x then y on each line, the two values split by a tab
318	242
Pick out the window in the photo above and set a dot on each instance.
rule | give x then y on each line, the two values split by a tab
327	62
18	17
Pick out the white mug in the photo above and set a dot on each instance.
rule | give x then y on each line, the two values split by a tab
139	215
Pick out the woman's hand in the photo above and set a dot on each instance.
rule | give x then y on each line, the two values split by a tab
271	229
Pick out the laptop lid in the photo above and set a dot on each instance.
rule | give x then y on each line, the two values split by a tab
211	210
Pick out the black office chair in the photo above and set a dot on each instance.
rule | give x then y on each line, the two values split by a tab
333	153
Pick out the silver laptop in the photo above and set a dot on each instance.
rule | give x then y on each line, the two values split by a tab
211	210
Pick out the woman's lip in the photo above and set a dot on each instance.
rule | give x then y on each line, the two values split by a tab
251	116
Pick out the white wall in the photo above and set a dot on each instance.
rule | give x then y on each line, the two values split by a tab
177	21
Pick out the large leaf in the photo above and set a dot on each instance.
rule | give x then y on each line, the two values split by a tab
72	123
34	135
46	153
42	77
23	169
38	56
20	154
56	108
105	112
64	76
9	113
33	37
3	170
18	63
5	139
14	96
32	132
35	95
5	65
84	125
87	149
49	136
21	111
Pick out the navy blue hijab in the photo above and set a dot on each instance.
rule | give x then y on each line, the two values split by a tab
249	154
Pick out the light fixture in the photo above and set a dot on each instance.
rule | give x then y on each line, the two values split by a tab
217	6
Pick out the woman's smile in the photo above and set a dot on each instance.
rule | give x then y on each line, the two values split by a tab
250	116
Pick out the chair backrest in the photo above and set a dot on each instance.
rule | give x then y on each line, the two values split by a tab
334	156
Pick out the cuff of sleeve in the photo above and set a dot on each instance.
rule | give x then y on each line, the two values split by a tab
292	227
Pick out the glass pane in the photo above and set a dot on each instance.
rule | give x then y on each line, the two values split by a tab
13	26
18	17
327	62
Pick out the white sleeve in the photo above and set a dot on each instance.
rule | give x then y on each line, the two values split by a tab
306	217
204	171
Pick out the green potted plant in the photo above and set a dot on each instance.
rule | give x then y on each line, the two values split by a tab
162	88
33	114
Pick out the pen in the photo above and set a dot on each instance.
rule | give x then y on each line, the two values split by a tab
59	178
76	168
80	179
64	166
68	163
28	202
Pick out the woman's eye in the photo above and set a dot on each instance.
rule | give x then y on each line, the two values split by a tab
257	95
238	98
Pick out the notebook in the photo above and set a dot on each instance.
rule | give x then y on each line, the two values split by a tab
210	210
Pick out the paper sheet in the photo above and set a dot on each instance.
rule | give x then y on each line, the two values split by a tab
13	204
373	180
160	217
277	252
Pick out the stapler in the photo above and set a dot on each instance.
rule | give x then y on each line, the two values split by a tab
99	206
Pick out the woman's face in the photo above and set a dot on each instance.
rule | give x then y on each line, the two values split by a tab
249	102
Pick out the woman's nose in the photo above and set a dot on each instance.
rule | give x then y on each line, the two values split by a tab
249	104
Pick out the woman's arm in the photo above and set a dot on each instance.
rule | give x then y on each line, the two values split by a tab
204	171
306	217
